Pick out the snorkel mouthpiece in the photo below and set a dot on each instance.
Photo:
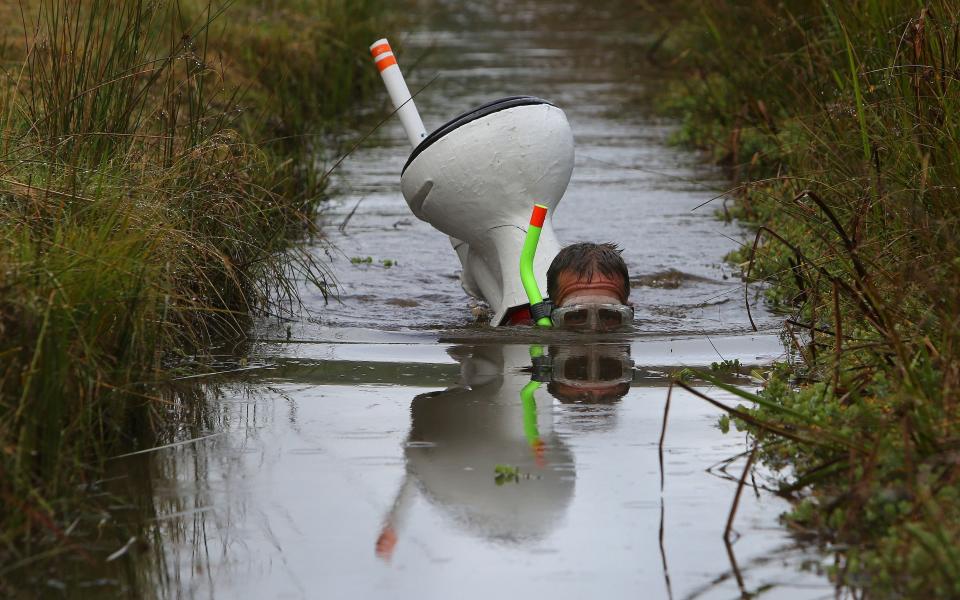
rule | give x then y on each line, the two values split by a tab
527	254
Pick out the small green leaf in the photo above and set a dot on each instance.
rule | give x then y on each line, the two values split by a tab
724	423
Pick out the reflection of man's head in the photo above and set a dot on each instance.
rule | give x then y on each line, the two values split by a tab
595	374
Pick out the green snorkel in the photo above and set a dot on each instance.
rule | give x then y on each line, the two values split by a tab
539	309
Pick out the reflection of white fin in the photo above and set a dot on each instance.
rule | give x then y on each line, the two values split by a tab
477	178
476	426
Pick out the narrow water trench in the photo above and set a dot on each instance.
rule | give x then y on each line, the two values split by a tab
628	186
387	446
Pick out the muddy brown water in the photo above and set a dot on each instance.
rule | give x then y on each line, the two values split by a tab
383	445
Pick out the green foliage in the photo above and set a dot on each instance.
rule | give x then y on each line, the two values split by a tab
297	68
506	474
724	423
368	260
726	366
838	121
143	214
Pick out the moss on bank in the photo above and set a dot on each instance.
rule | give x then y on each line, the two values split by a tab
153	175
839	122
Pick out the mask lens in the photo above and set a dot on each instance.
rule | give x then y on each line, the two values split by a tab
577	368
576	318
609	369
610	319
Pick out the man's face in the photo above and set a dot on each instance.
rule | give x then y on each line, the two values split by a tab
601	289
595	304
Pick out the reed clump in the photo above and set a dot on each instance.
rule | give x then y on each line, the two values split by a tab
839	123
146	211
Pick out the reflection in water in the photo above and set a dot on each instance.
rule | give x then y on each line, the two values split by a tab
493	418
122	526
316	462
595	374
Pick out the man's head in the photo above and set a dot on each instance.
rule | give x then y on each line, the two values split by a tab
590	286
588	273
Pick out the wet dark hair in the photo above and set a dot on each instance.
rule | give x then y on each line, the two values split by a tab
585	259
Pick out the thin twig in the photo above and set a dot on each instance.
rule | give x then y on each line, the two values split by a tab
751	420
663	431
663	552
375	128
343	225
838	337
736	496
168	446
735	568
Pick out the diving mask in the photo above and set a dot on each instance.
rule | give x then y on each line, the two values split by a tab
592	317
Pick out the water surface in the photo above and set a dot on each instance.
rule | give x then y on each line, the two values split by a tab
383	445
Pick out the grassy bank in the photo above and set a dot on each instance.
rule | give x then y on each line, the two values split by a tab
839	123
153	175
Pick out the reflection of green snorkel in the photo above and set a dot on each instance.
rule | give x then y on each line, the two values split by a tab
539	309
529	403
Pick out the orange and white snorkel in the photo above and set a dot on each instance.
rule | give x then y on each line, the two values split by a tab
386	63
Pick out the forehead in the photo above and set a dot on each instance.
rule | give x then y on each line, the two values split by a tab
571	276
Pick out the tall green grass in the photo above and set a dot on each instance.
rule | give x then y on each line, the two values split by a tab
147	210
839	123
